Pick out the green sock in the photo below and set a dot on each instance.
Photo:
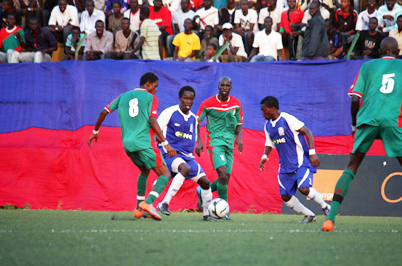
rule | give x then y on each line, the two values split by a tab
141	187
222	191
341	189
213	185
157	189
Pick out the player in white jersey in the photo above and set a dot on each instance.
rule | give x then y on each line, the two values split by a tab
297	158
179	127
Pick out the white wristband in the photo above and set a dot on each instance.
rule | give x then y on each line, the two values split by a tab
353	128
264	157
163	144
311	152
95	131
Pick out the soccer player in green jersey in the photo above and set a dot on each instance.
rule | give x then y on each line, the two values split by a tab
137	115
377	116
224	126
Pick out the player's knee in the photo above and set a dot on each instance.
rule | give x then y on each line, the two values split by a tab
285	198
204	183
304	190
184	169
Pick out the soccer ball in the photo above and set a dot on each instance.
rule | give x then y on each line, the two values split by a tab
218	208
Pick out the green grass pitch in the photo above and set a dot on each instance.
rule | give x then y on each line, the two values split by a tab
34	237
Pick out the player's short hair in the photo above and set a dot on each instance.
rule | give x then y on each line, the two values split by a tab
117	2
213	46
225	78
99	22
270	101
209	27
90	2
125	19
144	10
75	28
151	77
400	16
374	18
186	88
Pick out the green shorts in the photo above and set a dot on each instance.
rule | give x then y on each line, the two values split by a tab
149	158
390	136
221	155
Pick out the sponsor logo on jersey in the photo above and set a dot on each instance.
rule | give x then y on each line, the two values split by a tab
183	135
281	131
279	141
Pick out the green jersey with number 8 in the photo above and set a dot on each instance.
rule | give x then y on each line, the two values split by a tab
135	108
379	85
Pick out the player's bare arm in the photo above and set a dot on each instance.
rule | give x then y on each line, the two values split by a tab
99	122
310	140
199	147
155	126
238	142
355	106
264	157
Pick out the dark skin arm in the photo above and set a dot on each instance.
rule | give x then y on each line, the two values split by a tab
267	151
137	47
253	53
310	140
355	106
155	126
99	122
200	146
238	142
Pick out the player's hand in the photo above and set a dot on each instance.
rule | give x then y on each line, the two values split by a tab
93	136
314	160
262	162
239	144
199	148
171	151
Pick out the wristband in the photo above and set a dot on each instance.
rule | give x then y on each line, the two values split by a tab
95	131
163	144
264	157
311	152
353	128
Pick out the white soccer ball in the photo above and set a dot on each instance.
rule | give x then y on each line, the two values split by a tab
218	208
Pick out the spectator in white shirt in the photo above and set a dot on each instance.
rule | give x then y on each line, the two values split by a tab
133	14
364	16
267	43
90	16
235	49
246	21
208	15
62	19
180	16
272	11
172	5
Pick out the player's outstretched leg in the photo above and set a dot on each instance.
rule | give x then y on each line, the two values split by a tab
175	186
297	206
158	187
206	197
316	197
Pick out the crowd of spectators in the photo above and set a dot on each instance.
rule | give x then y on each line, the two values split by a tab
196	30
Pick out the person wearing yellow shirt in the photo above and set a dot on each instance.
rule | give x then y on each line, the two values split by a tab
187	44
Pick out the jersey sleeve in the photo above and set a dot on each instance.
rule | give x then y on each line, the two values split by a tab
357	86
202	112
153	107
268	140
293	123
113	105
164	118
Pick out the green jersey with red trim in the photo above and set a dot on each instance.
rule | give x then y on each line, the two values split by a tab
222	120
135	109
9	41
379	85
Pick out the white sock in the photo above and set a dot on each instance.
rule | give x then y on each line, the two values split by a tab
176	184
298	207
314	195
206	195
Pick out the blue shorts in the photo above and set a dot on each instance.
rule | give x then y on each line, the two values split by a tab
173	163
290	182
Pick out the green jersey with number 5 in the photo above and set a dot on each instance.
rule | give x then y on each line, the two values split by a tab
135	108
379	85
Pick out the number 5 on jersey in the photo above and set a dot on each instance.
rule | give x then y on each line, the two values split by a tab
388	83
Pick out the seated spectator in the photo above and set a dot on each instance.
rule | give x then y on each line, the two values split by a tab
315	41
329	5
346	18
208	15
75	41
274	12
267	43
133	14
31	9
209	39
181	15
397	34
387	15
11	38
62	19
163	19
187	43
336	43
235	48
125	40
115	20
98	43
364	16
323	11
149	37
245	20
80	5
226	14
8	8
172	5
368	44
48	7
99	4
211	52
109	6
289	20
90	16
40	42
